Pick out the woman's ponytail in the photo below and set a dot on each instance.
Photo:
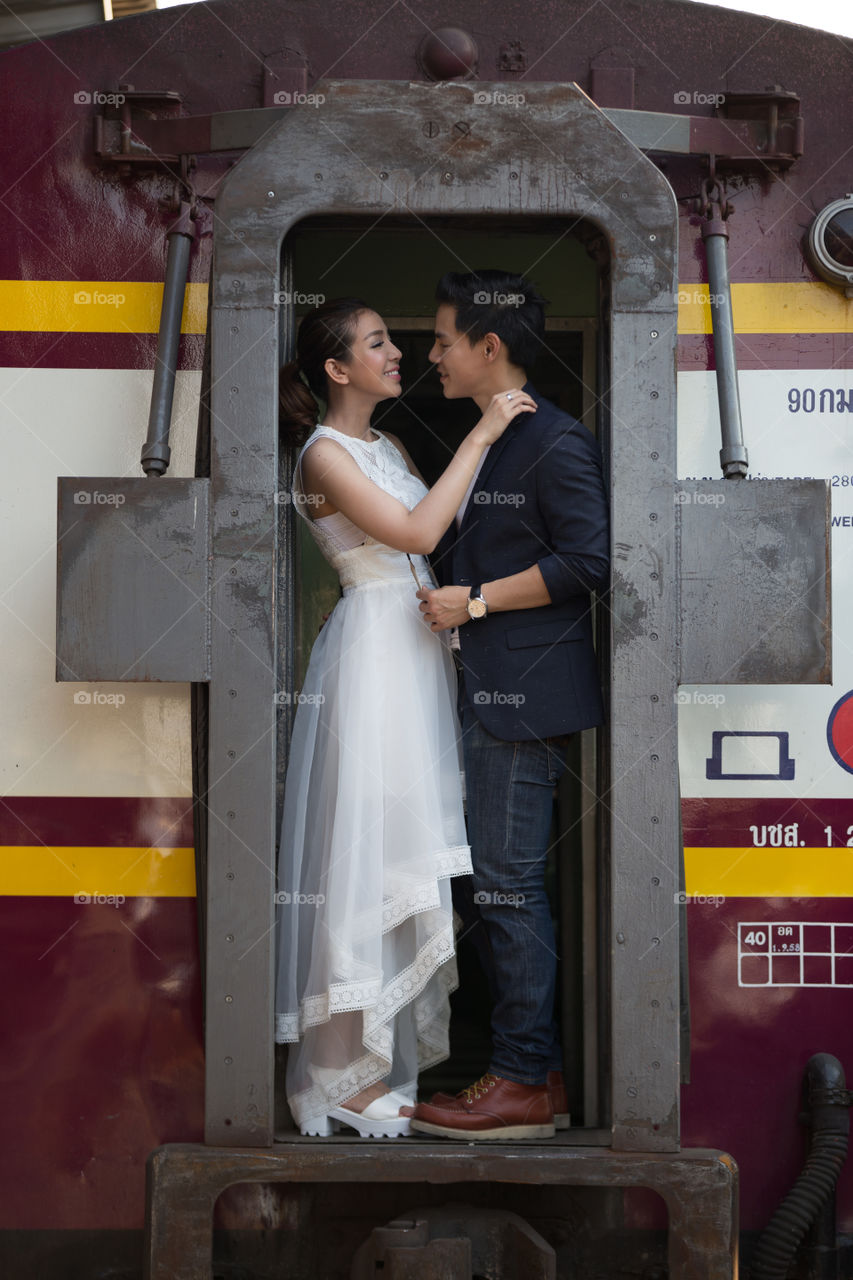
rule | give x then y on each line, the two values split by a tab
298	410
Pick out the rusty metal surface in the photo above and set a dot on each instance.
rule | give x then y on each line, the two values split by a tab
438	1260
431	1243
699	1187
749	142
428	152
755	582
402	1253
569	155
132	579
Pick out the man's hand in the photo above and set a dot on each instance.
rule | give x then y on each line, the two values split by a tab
444	607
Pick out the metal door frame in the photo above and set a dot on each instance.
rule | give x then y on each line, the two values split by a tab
370	149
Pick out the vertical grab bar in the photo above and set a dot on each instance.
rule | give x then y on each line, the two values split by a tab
156	452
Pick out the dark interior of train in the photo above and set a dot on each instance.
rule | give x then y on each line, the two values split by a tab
395	269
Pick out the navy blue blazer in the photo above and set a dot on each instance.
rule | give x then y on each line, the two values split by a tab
539	499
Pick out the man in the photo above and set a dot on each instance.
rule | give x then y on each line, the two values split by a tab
531	544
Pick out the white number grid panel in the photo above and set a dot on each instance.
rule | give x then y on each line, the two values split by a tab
795	954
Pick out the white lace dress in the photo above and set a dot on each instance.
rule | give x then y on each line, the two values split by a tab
373	823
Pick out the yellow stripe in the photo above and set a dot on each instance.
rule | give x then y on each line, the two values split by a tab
68	870
126	306
769	873
93	306
781	307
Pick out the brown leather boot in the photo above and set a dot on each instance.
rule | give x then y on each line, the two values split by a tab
491	1109
559	1101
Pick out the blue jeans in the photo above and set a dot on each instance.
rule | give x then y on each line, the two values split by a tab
509	789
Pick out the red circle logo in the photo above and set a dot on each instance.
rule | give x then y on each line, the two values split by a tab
839	731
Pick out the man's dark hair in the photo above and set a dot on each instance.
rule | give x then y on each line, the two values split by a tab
492	301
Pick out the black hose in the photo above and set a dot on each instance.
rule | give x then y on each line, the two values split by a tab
828	1102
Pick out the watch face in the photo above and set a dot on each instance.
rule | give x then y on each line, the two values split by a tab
477	608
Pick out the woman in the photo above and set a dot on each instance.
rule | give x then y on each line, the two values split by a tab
373	824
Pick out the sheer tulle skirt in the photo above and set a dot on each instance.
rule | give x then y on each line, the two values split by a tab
373	828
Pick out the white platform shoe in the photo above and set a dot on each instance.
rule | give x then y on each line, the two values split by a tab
380	1119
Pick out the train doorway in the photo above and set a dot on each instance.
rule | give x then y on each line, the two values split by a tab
419	156
447	155
397	268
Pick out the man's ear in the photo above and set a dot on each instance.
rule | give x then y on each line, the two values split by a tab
336	372
491	347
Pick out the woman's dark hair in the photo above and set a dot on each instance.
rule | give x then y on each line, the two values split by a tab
324	334
493	301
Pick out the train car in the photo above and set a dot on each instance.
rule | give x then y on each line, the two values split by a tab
179	188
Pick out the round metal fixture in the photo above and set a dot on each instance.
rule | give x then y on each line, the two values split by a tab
448	53
830	244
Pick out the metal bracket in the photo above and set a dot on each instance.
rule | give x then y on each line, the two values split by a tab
777	112
751	129
117	126
133	579
763	542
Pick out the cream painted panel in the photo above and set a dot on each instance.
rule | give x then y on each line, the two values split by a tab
787	433
78	422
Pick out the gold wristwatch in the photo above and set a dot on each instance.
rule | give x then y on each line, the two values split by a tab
477	607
